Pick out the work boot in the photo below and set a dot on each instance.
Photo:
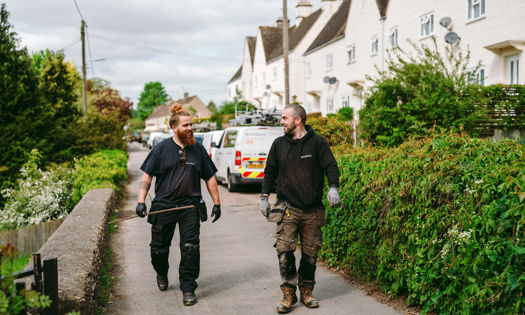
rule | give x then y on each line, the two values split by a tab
162	282
189	298
289	299
308	297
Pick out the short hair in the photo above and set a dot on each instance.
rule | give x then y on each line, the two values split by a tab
298	111
176	111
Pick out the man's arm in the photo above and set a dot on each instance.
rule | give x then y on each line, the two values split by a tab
213	189
270	171
145	184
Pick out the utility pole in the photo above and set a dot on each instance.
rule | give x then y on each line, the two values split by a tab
83	38
285	55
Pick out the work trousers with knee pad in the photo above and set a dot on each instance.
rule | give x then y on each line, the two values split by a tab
303	225
189	231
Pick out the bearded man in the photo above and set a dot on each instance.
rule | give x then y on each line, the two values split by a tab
178	163
297	165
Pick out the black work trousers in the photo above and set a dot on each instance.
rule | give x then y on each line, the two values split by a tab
189	230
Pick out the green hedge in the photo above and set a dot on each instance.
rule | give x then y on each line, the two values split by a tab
439	220
103	169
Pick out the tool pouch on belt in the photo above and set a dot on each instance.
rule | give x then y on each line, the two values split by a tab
277	211
203	212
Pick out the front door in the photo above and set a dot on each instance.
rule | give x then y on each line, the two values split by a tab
513	66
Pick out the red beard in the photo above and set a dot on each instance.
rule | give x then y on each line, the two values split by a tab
187	138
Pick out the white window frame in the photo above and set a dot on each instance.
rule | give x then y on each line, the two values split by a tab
308	70
255	80
476	10
374	45
476	77
350	51
275	73
426	25
264	78
345	102
329	61
513	66
394	37
329	104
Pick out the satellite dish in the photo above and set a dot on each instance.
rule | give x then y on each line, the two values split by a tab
326	79
445	22
332	80
451	37
268	86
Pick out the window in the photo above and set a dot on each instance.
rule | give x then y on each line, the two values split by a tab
309	107
514	68
374	45
476	9
351	53
329	104
308	69
229	139
274	73
255	81
476	77
346	101
264	78
426	23
329	62
393	37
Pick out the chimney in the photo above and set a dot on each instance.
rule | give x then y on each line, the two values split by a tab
186	96
329	6
303	9
280	22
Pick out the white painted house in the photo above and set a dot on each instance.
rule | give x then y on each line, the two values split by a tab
330	62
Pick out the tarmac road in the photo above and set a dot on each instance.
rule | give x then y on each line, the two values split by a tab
239	268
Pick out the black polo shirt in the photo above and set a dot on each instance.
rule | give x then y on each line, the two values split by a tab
176	185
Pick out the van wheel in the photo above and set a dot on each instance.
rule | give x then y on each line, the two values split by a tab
231	186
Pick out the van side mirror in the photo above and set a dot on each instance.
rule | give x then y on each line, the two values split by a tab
214	144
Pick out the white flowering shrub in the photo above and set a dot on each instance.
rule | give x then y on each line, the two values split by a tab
39	195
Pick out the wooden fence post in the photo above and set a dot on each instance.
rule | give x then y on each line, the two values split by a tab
51	285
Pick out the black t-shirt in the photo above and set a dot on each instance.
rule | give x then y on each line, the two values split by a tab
176	185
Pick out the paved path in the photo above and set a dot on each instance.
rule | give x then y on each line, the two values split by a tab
239	270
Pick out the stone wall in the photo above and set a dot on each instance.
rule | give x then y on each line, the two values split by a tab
79	245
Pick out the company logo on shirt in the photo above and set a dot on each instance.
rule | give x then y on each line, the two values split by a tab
306	156
190	163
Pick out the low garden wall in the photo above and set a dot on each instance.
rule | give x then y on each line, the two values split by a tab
79	246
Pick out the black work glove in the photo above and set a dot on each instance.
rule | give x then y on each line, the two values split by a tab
216	213
141	209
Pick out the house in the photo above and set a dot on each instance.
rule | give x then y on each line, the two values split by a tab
159	117
332	59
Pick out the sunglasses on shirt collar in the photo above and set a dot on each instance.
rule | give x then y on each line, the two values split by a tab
182	157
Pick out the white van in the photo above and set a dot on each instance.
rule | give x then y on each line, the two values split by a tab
241	154
210	141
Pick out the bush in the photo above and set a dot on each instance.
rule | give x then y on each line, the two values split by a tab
11	301
417	93
39	195
104	169
439	220
336	132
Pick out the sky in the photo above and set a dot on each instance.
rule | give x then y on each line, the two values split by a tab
192	46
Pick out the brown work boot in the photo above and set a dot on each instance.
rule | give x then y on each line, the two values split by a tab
289	299
308	297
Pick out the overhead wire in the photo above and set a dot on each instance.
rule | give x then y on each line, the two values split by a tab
78	10
90	56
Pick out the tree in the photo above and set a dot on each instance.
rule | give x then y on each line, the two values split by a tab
21	120
229	107
154	95
415	94
109	100
59	84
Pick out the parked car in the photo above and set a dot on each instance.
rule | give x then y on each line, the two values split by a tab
158	139
241	155
152	137
199	136
211	141
135	136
